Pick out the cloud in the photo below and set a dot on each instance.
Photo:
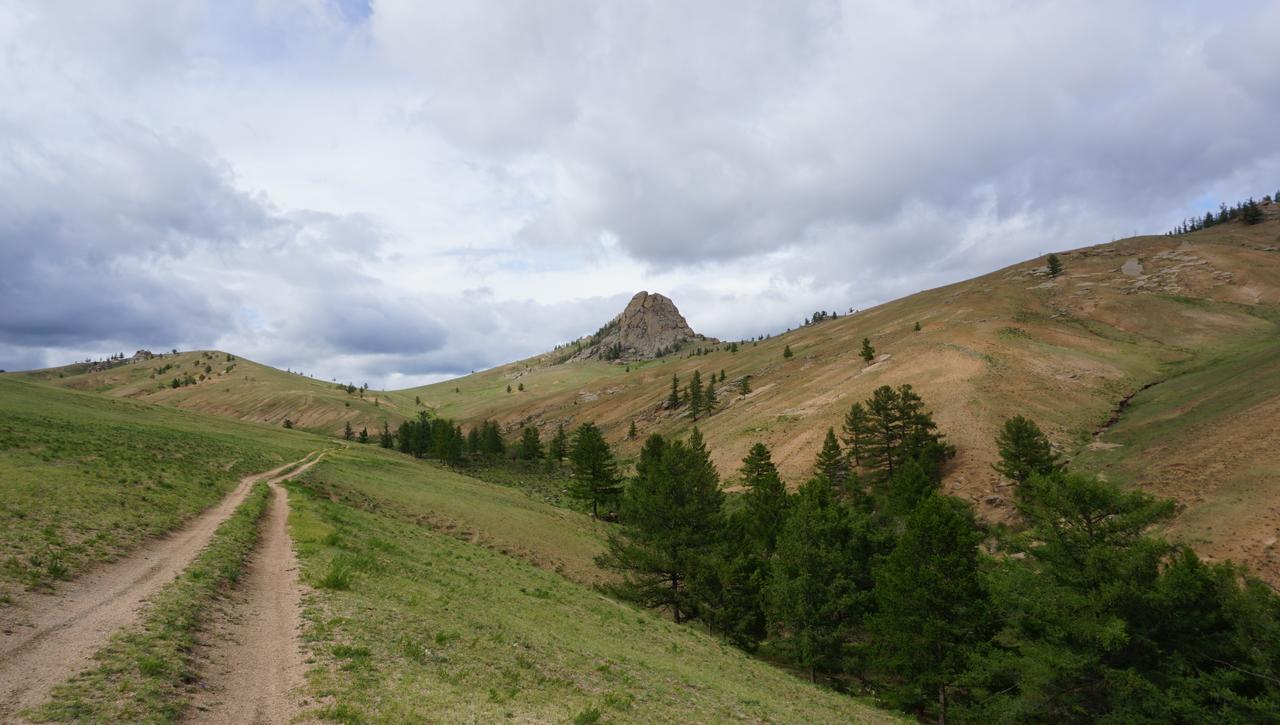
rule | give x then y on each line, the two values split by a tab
401	191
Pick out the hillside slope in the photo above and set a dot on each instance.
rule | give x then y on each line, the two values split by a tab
1194	316
1065	351
225	385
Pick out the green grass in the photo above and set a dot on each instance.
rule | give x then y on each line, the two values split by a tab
499	517
84	478
427	627
1212	389
142	672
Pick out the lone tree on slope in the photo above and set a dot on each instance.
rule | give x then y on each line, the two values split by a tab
868	352
595	474
1055	265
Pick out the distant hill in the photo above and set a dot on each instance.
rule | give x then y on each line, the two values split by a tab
1154	361
1183	328
224	384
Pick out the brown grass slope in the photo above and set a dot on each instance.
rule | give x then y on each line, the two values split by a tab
236	388
1198	312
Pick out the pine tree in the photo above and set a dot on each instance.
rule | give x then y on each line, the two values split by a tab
855	432
722	375
530	444
831	462
819	579
932	610
898	429
559	446
868	353
347	433
1024	450
595	474
671	521
287	423
728	584
364	435
491	443
473	441
385	438
1055	265
744	385
765	500
673	400
709	399
786	351
631	431
695	395
917	327
909	486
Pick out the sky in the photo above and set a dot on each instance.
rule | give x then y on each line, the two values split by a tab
402	191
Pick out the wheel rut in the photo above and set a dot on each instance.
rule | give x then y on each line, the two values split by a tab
253	664
46	638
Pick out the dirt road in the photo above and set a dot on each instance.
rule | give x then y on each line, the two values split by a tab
253	665
47	638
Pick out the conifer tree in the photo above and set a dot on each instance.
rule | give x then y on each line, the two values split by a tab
530	444
766	499
899	429
709	399
695	395
347	433
385	438
722	375
909	486
831	462
786	351
744	385
917	327
473	441
729	583
868	353
559	446
1024	450
671	520
932	610
817	592
595	474
673	400
1055	265
855	433
364	435
631	431
491	443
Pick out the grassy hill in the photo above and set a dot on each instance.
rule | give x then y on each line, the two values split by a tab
226	385
437	596
84	478
412	621
1194	314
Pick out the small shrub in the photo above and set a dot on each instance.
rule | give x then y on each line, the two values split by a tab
588	716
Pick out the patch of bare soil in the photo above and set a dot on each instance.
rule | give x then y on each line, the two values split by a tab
252	670
46	638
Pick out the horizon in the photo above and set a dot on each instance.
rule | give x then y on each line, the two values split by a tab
400	193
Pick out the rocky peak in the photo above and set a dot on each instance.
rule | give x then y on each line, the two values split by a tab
649	327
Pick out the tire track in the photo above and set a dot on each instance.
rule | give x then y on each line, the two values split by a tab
48	638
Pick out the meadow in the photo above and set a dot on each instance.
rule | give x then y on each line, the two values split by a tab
84	478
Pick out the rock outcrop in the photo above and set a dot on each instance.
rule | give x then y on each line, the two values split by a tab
649	327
